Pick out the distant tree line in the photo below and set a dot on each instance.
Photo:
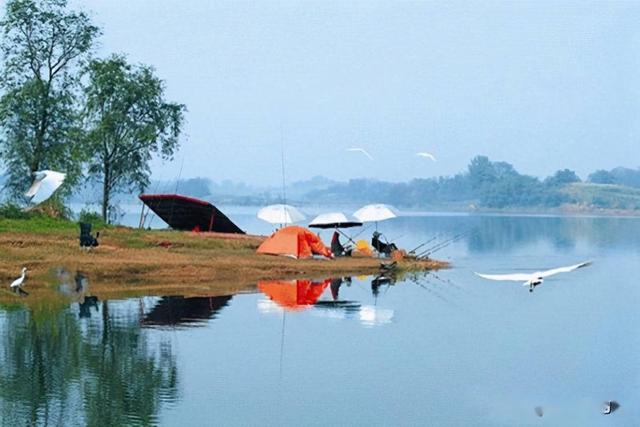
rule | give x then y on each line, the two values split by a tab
485	184
94	119
618	176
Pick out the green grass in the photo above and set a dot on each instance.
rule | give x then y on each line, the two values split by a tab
38	224
49	218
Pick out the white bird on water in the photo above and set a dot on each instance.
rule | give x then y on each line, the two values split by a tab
20	280
426	155
533	279
360	150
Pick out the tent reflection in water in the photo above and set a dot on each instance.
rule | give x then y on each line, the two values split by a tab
295	242
293	295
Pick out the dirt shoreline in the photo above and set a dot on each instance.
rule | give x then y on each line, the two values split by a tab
139	262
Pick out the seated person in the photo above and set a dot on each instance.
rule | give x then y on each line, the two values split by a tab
86	239
382	247
336	247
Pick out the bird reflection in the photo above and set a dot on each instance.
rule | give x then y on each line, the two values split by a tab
20	292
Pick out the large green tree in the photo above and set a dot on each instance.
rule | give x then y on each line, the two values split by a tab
44	46
128	121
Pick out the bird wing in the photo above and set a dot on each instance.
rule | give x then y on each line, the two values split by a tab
34	187
516	277
558	270
361	150
427	155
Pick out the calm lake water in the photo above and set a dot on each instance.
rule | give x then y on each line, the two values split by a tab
440	349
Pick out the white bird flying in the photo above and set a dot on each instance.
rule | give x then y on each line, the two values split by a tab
45	183
20	280
533	279
426	155
360	150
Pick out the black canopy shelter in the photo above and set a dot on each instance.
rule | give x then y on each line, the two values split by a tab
187	213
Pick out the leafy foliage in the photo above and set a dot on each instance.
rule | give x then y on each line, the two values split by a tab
43	47
128	120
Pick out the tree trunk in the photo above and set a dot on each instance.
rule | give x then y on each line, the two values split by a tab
105	194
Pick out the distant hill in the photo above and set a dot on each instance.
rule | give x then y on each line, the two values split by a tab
485	184
604	196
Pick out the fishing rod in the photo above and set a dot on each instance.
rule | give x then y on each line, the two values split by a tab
394	239
362	231
346	235
443	245
413	251
437	245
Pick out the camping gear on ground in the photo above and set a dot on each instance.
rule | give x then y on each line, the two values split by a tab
363	248
336	247
86	239
375	213
45	183
296	242
280	214
382	247
189	214
293	295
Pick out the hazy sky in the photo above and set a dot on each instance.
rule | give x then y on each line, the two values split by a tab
542	85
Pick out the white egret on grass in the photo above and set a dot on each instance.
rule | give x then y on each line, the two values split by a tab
360	150
533	279
46	182
426	155
20	280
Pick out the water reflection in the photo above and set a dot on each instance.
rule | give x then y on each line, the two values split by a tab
293	295
323	297
504	233
181	311
77	291
58	370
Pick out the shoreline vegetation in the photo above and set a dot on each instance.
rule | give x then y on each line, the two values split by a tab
135	262
486	186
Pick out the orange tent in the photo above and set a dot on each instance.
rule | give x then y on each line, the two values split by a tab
293	295
296	242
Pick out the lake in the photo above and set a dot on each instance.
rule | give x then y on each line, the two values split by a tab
448	348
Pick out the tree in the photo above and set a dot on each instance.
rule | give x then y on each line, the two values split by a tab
602	177
43	46
127	122
562	177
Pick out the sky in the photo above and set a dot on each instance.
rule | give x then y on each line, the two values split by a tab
542	85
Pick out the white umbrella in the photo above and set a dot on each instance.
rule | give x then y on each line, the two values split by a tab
334	220
375	213
280	214
46	182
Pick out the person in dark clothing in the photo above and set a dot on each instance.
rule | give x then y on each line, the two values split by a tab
336	247
87	240
382	247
